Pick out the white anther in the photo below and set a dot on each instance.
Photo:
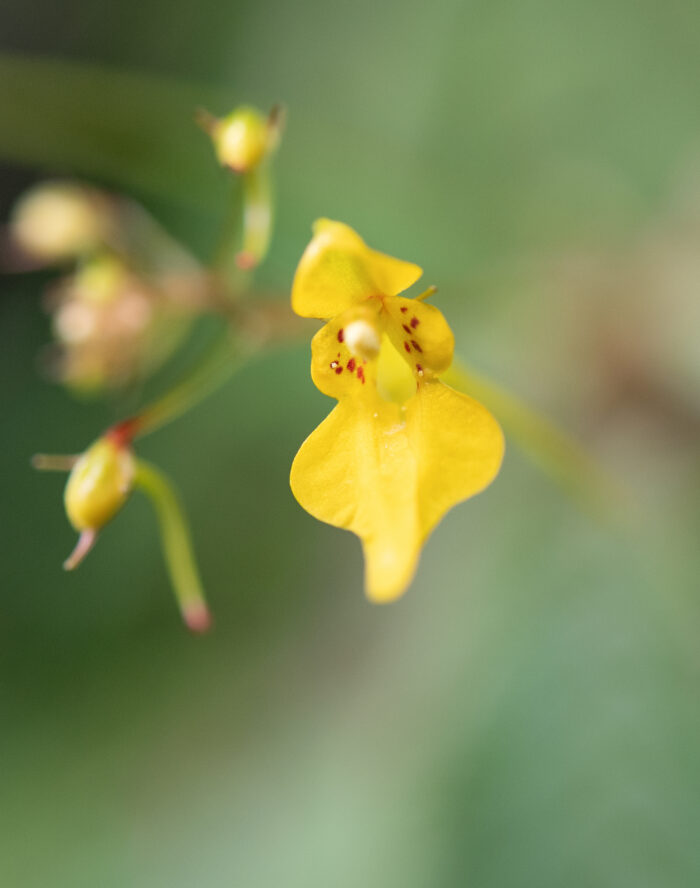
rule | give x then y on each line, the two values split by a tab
362	340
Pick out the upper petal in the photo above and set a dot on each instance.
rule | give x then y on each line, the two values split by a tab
338	269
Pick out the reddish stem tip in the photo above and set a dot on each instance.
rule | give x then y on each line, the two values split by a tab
197	617
122	434
246	260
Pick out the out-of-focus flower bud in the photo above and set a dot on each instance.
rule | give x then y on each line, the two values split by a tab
112	326
58	221
244	140
99	484
244	137
241	139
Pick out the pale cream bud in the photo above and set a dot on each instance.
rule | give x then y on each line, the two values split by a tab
56	221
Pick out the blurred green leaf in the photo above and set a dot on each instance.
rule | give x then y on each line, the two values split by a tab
128	129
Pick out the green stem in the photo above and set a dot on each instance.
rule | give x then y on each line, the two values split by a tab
218	365
176	544
257	216
550	448
247	228
222	262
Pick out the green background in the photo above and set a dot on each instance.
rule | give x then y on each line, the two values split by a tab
528	714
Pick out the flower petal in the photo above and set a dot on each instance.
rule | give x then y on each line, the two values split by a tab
389	475
420	334
458	446
338	269
334	369
357	471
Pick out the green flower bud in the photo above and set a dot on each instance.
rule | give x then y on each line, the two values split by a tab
241	139
99	484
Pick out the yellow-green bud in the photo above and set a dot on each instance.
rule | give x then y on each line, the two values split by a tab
101	279
241	139
56	221
99	484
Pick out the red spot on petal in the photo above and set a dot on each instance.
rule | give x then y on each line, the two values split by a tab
338	370
414	322
407	346
404	309
419	368
341	335
361	374
351	364
416	346
406	328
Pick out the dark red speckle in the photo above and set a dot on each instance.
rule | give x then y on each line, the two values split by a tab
407	346
351	364
341	335
361	374
414	322
404	309
419	368
406	328
338	370
416	346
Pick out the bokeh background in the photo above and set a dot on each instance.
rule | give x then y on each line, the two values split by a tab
528	714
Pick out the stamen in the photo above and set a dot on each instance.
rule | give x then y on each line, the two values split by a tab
362	339
427	294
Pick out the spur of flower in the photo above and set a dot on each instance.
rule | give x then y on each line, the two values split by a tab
400	448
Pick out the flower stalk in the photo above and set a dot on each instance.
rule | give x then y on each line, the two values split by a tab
553	451
176	543
224	358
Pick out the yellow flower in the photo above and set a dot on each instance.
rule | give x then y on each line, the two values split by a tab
400	448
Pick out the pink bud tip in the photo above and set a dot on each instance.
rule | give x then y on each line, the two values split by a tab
86	541
197	617
246	260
